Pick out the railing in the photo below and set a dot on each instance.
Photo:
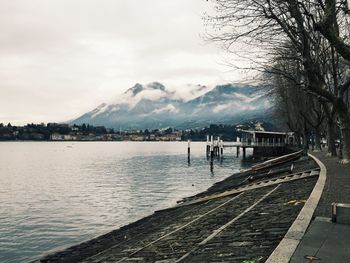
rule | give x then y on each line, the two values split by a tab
215	147
254	144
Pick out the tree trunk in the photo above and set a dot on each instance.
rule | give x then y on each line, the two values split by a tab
297	139
332	150
346	143
317	141
305	142
344	118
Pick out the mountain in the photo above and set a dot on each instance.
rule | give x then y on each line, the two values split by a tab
154	106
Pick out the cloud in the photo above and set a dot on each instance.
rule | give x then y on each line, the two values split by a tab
189	91
167	108
60	58
222	107
147	93
234	106
152	95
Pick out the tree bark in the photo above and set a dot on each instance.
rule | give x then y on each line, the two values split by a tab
297	139
328	27
317	141
305	140
332	150
344	118
346	141
345	129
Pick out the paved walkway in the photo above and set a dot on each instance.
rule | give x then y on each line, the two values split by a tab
325	241
337	188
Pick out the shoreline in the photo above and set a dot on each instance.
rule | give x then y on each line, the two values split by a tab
108	183
185	141
100	244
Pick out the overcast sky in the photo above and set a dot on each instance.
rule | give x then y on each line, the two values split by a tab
61	58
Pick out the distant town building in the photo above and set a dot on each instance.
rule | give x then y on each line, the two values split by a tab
174	136
57	137
136	138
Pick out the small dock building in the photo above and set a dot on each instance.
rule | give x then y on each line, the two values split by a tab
265	142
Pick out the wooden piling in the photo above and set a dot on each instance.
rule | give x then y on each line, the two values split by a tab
222	147
218	147
208	146
188	148
212	153
244	152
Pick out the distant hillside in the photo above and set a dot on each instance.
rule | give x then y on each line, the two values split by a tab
153	106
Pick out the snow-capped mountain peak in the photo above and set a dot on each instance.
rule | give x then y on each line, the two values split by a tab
155	106
138	88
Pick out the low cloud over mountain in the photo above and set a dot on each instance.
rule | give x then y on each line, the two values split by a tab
154	106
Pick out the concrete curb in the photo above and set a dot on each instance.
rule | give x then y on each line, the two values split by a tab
286	248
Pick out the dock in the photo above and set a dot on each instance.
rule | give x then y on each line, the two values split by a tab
263	143
240	219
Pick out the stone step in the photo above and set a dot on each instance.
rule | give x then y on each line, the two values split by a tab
341	213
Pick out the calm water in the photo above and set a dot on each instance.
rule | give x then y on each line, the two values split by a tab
53	195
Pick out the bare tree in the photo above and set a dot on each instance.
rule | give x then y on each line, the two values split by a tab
270	23
335	13
302	111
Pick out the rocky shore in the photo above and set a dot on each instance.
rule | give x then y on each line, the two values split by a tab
241	219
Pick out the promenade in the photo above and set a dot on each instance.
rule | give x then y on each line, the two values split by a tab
337	188
325	241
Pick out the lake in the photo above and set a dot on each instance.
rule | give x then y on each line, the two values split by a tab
57	194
